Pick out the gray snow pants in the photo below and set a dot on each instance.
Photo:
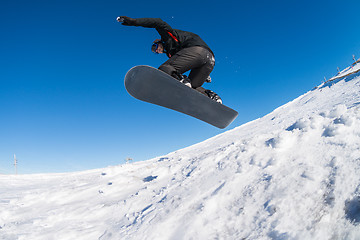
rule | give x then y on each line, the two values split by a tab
197	59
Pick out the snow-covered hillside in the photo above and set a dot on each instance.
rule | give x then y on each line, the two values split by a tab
293	174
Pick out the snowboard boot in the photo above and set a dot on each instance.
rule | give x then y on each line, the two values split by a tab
182	78
186	81
209	94
213	96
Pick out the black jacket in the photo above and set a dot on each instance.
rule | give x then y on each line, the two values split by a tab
173	39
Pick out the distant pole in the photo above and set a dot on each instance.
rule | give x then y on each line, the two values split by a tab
15	164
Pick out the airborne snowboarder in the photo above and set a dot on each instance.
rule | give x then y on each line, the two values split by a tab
186	51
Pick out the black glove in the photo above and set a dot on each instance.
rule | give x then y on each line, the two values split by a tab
126	21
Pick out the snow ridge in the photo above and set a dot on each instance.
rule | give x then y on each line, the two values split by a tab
293	174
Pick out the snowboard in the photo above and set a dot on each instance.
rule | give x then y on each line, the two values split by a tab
154	86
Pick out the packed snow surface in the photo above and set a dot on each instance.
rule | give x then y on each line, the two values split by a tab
293	174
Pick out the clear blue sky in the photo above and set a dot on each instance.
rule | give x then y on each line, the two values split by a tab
62	63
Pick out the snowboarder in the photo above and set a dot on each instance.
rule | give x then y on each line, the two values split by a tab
186	51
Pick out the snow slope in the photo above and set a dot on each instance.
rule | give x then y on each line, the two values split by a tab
293	174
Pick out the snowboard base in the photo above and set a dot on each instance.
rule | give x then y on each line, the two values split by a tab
154	86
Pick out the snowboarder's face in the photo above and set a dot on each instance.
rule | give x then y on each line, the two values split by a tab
160	48
157	47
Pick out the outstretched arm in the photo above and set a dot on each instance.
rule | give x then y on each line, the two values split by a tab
156	23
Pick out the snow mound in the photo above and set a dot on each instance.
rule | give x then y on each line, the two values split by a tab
293	174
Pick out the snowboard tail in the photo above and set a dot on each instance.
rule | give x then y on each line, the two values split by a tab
154	86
